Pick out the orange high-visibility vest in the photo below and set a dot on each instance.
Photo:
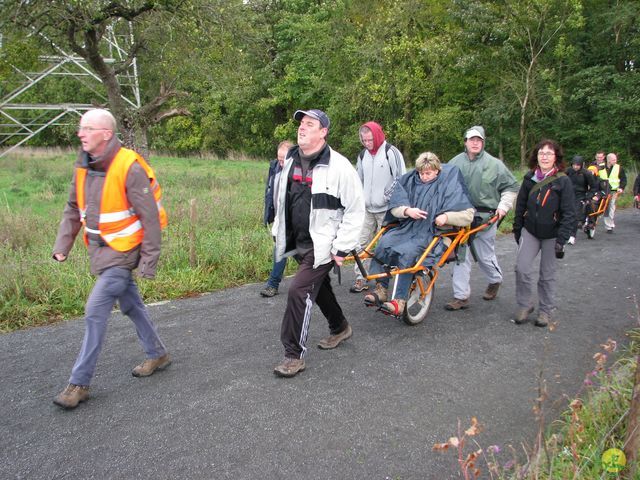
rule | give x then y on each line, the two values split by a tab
118	224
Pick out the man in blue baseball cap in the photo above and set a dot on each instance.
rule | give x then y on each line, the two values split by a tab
320	209
313	113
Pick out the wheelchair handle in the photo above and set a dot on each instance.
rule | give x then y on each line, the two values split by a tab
356	257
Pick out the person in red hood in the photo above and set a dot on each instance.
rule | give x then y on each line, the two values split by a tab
379	166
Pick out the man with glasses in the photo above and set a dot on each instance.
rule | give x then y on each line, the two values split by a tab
492	190
379	166
114	195
613	174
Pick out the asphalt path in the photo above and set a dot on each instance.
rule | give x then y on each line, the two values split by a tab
370	409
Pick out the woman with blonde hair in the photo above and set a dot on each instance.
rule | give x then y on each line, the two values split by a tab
429	197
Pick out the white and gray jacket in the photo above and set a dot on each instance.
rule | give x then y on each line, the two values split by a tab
378	174
337	209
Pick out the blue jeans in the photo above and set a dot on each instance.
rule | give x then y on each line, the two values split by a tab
275	277
113	284
402	285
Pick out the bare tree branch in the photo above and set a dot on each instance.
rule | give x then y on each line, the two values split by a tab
131	55
174	112
120	10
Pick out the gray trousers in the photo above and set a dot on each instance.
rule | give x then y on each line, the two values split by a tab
372	223
527	252
484	244
610	214
113	284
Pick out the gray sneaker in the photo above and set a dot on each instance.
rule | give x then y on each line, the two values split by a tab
289	367
269	292
71	396
332	341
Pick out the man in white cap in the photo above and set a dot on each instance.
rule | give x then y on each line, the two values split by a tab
320	211
492	190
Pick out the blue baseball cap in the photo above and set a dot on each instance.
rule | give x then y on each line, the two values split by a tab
313	113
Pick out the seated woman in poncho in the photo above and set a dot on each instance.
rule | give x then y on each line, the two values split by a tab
429	197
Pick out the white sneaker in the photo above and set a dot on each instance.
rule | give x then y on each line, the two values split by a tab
571	241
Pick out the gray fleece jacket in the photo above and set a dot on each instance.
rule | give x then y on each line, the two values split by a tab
378	173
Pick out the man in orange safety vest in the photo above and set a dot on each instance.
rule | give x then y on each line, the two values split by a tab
116	200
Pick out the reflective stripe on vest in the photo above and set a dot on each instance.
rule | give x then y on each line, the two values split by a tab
614	180
118	224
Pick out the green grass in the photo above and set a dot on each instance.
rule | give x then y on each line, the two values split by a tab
232	246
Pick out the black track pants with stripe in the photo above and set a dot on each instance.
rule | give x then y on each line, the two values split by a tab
309	286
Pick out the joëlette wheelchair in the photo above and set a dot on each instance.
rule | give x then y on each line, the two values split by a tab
598	209
424	277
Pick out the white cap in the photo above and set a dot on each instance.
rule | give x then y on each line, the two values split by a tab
473	132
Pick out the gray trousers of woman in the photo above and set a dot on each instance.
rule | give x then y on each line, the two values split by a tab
527	252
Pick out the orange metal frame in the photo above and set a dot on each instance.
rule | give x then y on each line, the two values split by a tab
458	237
602	206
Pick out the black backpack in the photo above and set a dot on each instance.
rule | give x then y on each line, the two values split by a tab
387	147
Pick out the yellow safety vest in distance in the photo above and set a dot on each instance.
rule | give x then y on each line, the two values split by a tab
614	180
118	224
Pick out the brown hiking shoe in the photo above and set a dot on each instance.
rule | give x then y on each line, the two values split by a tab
543	319
150	365
332	341
71	396
457	304
269	292
522	315
289	367
377	297
492	291
359	286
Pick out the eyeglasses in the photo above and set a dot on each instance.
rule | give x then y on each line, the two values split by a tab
84	128
546	154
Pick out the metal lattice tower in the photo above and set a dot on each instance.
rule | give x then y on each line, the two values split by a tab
20	122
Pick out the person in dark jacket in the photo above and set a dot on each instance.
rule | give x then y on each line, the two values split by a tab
275	167
544	220
636	192
585	189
